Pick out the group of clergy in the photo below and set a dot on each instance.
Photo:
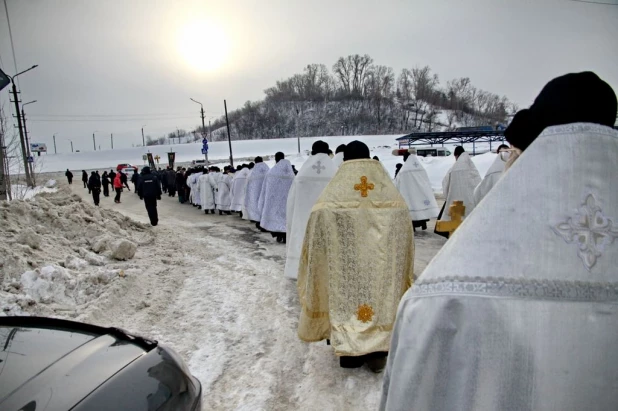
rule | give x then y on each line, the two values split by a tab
518	311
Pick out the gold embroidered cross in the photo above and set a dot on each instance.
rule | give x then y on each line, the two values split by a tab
364	187
456	210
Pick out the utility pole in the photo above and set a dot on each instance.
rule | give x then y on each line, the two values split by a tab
203	127
94	142
229	138
21	137
55	151
71	146
143	140
23	117
209	131
111	136
5	184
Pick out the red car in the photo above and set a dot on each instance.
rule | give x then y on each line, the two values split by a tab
121	167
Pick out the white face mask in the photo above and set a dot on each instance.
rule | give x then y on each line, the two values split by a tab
505	155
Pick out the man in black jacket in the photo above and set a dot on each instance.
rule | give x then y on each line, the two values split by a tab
171	182
69	176
94	185
149	190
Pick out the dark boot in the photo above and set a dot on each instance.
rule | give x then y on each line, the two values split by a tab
220	212
351	362
376	361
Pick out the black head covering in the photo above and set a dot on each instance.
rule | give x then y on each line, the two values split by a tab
146	170
319	147
340	149
572	98
356	150
459	150
258	160
279	156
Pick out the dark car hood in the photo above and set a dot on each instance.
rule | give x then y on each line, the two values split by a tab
47	363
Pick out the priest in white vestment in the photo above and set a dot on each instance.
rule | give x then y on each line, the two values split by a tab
519	310
214	177
243	210
356	262
239	188
224	185
254	189
459	184
207	194
338	159
275	195
195	188
413	183
493	174
309	183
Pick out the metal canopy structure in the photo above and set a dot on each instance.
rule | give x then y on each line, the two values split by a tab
453	137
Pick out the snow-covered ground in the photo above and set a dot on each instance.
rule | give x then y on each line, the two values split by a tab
381	146
212	287
23	192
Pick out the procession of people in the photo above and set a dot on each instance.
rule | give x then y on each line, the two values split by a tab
518	309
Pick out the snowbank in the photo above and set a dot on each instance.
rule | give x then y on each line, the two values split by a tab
23	192
59	252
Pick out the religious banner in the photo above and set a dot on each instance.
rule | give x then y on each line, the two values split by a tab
151	162
171	158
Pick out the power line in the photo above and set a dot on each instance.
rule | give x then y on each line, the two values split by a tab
40	120
8	20
112	115
590	2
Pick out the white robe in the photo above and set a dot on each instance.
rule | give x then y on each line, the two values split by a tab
254	189
214	184
338	159
414	185
313	176
519	310
459	184
239	188
195	189
274	196
223	192
207	194
489	181
245	214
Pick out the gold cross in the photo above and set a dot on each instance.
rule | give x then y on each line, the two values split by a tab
457	210
363	187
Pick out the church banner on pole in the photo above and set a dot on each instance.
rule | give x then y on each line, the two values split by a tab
151	161
171	159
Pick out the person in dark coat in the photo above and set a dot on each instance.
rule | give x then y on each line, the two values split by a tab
124	179
85	179
69	176
135	180
105	182
94	186
171	182
149	190
163	179
180	185
112	177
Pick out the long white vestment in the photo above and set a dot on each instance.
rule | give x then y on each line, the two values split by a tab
274	196
489	181
195	189
207	194
459	184
239	188
314	175
414	185
224	185
338	159
519	310
254	189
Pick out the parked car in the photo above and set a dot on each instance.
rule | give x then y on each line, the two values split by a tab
121	167
51	364
197	162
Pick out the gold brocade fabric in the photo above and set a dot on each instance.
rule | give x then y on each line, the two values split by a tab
357	261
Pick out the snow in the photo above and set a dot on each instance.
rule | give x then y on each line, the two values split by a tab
381	146
211	287
23	192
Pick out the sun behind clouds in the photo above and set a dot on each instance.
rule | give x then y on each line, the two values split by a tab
203	45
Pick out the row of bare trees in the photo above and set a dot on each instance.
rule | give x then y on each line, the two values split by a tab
359	97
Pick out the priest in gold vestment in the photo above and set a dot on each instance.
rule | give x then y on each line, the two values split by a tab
356	262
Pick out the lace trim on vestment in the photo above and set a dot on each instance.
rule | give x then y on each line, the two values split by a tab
518	288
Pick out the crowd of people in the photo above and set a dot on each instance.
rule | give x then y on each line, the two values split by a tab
518	311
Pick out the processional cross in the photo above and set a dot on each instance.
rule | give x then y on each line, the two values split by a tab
364	187
457	211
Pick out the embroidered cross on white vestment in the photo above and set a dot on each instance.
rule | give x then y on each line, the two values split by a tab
415	164
590	230
318	167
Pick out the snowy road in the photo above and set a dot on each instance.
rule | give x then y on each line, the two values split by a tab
214	290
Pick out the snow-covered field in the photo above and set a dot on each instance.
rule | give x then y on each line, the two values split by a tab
381	146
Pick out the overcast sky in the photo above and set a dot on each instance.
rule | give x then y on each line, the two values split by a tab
116	65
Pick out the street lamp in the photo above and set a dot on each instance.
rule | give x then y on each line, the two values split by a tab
203	125
94	141
24	151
